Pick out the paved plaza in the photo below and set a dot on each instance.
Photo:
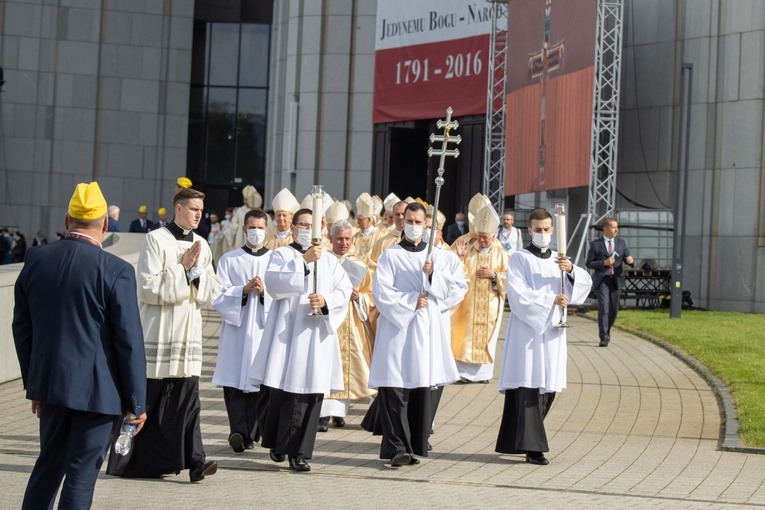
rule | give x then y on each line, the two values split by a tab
636	428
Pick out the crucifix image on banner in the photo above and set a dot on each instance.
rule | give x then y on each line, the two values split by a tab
541	64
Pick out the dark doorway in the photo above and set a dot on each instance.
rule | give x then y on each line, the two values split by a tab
408	163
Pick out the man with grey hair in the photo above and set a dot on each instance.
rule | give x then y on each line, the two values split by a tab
355	334
114	219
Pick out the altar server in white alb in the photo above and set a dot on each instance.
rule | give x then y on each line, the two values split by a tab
175	280
299	358
412	352
534	362
243	307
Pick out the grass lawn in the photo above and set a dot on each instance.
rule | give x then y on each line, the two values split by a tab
731	345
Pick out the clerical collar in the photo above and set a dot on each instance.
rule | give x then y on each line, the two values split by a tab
282	235
537	251
299	247
255	253
84	237
340	257
180	234
410	246
368	231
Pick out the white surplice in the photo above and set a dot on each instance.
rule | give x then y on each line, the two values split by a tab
241	323
300	354
412	346
535	351
170	305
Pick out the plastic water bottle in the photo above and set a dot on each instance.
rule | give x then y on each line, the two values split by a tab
125	440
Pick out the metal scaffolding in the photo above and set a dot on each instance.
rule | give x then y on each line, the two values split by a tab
494	160
605	125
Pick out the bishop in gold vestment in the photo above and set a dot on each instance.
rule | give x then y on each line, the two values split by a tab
475	322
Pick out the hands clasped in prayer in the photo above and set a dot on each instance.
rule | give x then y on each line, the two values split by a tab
255	284
191	256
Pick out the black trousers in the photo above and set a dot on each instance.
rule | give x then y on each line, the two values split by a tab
405	418
241	408
73	446
523	429
290	421
608	305
171	439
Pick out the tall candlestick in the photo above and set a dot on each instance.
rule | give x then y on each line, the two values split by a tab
560	228
317	210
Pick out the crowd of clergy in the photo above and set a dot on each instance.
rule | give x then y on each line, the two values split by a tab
366	312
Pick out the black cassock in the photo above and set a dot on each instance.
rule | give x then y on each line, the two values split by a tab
405	416
171	439
288	421
523	429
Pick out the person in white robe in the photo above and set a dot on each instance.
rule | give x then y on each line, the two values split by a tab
534	361
233	237
298	361
243	307
175	280
412	352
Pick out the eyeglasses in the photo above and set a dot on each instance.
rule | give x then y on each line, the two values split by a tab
303	224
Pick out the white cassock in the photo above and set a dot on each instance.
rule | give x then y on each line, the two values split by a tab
301	354
535	351
242	320
412	346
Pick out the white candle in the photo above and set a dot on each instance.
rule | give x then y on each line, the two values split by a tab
560	229
317	210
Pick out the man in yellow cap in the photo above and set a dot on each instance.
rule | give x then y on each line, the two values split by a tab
162	219
81	377
141	224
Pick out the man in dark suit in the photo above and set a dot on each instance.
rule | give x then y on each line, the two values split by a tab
456	229
80	346
605	258
142	223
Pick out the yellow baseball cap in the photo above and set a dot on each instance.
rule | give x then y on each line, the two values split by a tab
87	202
142	208
183	182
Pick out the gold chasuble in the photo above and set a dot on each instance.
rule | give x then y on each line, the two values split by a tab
356	338
475	322
273	241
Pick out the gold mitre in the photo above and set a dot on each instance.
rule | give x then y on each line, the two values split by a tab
365	205
285	201
474	207
87	202
421	202
440	217
254	200
378	205
336	212
390	201
486	221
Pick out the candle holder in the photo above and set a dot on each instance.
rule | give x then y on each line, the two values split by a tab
317	211
560	230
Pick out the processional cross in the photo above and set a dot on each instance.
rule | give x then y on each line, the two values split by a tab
541	64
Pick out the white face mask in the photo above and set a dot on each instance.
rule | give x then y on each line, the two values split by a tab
304	237
413	232
228	216
541	240
256	236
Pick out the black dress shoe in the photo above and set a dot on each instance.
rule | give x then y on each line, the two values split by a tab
276	457
236	442
430	447
413	461
400	459
338	421
198	473
299	464
323	424
249	446
537	458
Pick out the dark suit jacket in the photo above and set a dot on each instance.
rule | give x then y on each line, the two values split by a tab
114	225
597	255
135	226
77	330
453	232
